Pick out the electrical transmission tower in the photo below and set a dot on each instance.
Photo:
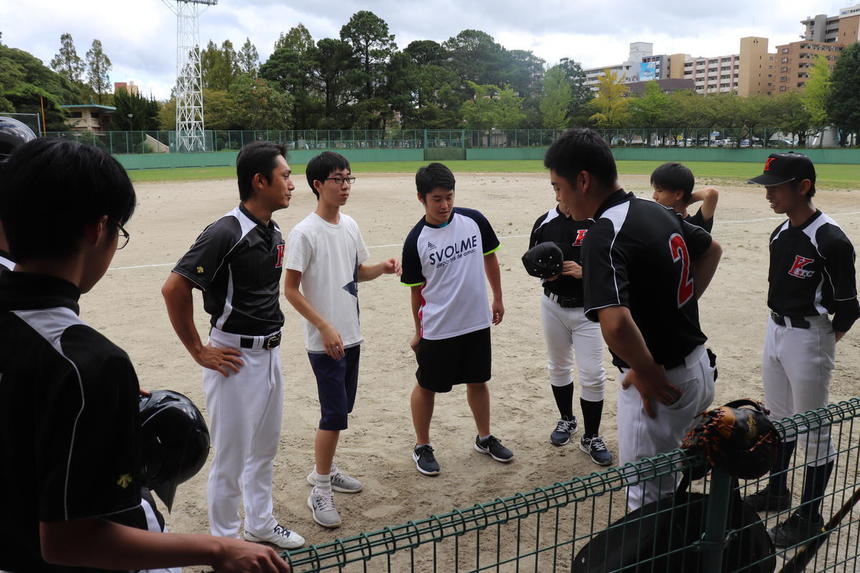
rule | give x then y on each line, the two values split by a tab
189	89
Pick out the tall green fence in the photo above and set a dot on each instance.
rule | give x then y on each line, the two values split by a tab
544	529
153	149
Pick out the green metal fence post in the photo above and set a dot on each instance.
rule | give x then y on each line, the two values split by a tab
713	540
425	143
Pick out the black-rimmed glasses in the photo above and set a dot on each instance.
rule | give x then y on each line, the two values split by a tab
341	180
123	235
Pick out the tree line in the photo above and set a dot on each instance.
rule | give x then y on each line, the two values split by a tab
363	80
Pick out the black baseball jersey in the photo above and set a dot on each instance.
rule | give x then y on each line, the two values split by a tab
812	271
68	418
554	226
6	262
699	220
640	254
237	262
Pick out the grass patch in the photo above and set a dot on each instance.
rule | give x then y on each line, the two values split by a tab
830	176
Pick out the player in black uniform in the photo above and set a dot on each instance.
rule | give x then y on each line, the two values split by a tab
567	331
811	276
237	263
643	271
68	396
673	187
12	134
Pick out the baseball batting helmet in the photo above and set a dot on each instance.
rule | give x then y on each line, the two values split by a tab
174	442
12	134
544	260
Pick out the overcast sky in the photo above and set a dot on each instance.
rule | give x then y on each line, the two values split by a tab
139	36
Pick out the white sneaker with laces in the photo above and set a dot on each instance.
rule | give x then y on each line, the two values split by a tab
322	508
280	536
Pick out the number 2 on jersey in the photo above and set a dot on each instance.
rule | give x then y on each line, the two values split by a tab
678	247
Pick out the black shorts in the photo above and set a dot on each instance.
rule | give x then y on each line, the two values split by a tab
462	359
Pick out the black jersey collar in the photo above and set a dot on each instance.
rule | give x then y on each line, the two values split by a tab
806	223
30	291
250	215
616	197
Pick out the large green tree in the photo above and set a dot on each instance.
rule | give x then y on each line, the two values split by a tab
816	92
67	62
333	63
475	56
493	107
292	68
28	86
421	89
248	60
134	112
580	93
555	100
843	105
98	70
218	66
373	47
260	105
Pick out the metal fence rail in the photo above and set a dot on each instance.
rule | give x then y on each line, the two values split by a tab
544	529
122	142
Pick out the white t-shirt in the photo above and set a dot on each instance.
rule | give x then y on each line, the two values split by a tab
449	262
328	256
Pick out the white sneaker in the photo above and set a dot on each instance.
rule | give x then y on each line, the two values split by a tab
340	481
323	509
280	536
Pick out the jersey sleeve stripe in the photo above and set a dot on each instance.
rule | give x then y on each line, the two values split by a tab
491	251
412	284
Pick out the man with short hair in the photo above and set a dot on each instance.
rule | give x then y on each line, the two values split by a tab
673	187
69	430
811	276
644	269
447	257
236	261
326	258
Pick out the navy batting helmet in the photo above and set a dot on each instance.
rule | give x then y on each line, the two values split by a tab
12	134
174	442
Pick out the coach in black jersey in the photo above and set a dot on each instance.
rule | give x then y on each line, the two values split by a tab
236	261
643	271
69	396
811	276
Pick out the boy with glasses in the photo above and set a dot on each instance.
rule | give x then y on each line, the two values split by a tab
326	258
69	430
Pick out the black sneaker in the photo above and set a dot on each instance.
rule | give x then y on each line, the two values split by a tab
564	430
425	461
494	448
796	529
596	450
764	500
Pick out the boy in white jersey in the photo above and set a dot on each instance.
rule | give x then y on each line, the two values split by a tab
445	259
325	256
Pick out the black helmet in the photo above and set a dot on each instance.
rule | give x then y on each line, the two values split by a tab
12	134
174	442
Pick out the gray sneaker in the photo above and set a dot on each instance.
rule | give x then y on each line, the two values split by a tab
340	481
323	509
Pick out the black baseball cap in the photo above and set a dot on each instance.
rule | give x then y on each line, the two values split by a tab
781	168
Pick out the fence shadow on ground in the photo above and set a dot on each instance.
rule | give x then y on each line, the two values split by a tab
546	529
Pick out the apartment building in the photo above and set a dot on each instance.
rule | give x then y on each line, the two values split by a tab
792	62
843	28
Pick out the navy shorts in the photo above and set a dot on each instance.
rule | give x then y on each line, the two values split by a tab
462	359
337	382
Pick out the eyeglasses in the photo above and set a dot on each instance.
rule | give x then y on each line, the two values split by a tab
341	180
123	236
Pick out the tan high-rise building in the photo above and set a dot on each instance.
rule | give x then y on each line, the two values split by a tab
793	62
843	28
754	67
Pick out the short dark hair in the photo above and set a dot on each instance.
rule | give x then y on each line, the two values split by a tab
674	177
52	189
582	149
323	165
256	157
433	176
795	185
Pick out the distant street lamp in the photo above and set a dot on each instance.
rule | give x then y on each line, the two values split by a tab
131	122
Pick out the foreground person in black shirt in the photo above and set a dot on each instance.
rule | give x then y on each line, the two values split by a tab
68	396
643	270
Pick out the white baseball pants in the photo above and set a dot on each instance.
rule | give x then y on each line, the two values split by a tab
245	411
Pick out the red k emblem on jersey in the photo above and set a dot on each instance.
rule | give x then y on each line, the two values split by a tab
580	235
797	269
280	262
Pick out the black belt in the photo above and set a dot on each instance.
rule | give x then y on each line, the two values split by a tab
793	321
271	341
563	301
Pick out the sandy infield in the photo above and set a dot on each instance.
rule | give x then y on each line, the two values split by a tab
127	307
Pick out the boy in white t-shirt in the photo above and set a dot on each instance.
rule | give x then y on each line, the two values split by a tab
325	256
445	259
